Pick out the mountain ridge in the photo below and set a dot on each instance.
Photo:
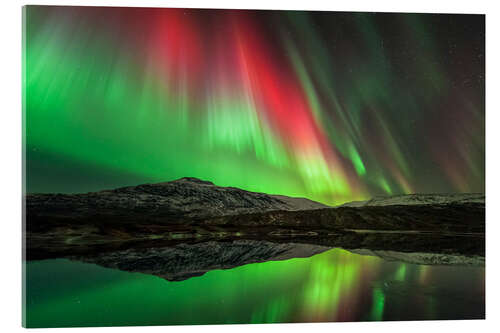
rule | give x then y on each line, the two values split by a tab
419	199
186	197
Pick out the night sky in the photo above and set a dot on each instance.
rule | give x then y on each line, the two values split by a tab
326	105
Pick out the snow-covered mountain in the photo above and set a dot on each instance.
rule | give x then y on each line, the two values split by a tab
183	198
420	199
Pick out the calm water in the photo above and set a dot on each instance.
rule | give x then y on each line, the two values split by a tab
332	286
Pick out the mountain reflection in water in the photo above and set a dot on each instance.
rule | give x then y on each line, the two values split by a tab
335	285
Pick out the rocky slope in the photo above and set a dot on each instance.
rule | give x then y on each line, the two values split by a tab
421	199
170	202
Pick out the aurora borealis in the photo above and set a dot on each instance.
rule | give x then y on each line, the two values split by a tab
330	106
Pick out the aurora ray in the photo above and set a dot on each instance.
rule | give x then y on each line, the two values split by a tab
330	106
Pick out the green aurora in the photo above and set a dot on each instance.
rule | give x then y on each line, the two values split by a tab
330	106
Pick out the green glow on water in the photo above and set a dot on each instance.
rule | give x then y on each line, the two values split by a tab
331	286
401	273
377	312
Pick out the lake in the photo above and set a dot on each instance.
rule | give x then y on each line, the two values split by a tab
335	285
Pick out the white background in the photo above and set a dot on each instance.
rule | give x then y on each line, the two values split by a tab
10	159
